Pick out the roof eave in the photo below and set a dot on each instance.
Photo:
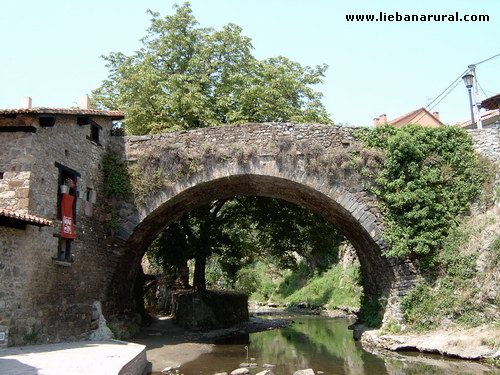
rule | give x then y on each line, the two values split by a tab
115	115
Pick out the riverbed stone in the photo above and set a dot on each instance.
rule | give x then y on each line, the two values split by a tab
240	371
308	371
248	364
265	372
268	366
469	343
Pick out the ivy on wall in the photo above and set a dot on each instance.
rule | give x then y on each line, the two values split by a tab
116	176
429	177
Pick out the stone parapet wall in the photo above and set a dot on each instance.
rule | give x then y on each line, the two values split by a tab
487	143
263	137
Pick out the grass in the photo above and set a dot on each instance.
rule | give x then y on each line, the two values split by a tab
335	287
462	289
331	289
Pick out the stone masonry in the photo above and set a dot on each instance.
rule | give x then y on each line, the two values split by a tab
487	142
42	300
14	186
273	160
45	300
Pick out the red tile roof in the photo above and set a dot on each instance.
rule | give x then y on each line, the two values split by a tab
408	117
63	111
484	117
492	102
30	219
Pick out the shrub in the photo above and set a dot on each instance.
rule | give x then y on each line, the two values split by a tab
429	178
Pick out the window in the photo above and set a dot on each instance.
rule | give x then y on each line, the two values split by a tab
117	128
90	195
83	120
95	132
67	183
66	212
47	121
1	175
89	198
64	250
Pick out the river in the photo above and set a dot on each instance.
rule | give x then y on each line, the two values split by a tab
324	345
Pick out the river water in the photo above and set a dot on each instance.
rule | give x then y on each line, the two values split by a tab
322	344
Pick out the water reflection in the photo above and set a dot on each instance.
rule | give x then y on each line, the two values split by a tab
323	345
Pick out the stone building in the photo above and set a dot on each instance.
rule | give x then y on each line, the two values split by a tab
42	149
420	116
490	118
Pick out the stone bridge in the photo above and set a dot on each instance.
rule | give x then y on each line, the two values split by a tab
43	299
315	166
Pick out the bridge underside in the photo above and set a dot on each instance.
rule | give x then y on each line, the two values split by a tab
378	276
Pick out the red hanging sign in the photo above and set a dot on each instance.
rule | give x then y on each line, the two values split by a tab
67	224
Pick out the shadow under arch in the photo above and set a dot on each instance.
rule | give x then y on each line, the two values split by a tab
351	216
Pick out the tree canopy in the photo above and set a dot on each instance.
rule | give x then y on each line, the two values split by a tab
243	229
186	76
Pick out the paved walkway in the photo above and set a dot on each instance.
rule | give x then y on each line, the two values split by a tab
109	357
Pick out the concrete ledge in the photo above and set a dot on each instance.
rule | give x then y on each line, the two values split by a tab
110	357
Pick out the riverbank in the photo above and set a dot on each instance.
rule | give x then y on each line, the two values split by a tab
170	346
480	343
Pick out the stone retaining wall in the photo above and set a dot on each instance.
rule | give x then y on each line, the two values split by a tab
209	310
487	142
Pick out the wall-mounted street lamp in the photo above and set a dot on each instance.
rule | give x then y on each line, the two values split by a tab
469	82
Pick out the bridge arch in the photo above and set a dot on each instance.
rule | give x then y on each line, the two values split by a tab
341	199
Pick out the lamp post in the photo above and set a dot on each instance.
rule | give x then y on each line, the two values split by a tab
469	82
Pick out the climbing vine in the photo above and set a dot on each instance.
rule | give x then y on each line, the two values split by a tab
116	179
429	177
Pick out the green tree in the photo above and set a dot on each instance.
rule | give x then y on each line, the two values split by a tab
186	76
241	230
